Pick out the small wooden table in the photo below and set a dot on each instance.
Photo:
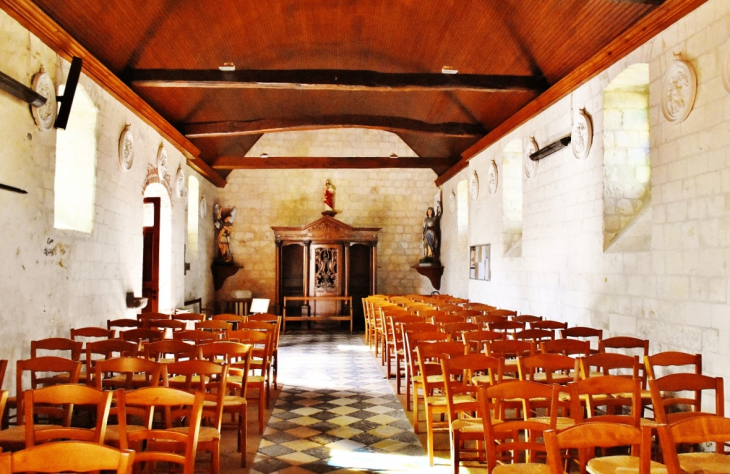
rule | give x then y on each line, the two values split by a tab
314	316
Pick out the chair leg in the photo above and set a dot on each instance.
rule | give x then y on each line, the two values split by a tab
261	411
429	436
243	433
397	372
415	409
454	436
215	465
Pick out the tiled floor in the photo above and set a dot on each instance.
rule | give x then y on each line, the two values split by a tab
336	413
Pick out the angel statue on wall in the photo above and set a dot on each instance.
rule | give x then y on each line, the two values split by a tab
328	198
224	228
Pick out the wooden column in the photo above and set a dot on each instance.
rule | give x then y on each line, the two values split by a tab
307	247
278	277
374	268
346	254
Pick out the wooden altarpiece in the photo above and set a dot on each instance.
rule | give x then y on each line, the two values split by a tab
325	258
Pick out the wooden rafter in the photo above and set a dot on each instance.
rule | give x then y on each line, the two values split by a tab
332	79
31	17
641	2
392	124
439	165
641	32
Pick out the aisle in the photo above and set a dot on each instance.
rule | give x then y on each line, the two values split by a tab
336	413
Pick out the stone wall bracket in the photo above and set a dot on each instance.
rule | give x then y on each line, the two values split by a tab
432	272
222	271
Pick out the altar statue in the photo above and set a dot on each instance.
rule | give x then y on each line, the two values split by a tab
224	228
328	196
431	236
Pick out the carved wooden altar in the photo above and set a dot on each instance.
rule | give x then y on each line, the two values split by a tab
325	258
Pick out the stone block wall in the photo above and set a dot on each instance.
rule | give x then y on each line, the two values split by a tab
52	280
395	200
675	292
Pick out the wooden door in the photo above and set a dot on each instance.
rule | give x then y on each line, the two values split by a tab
325	275
359	283
292	276
151	254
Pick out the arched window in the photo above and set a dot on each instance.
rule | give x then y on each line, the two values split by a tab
75	177
626	163
193	200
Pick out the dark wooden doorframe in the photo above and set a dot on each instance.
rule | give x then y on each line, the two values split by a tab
151	259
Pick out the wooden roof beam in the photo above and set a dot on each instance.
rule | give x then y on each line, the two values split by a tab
331	79
391	124
439	165
642	31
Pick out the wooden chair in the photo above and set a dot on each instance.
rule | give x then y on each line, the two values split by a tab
388	353
273	329
625	342
669	403
610	364
142	336
448	308
146	318
461	400
583	333
210	379
187	317
506	326
160	442
457	301
481	307
455	330
502	312
170	350
610	393
509	351
107	349
507	439
167	326
548	368
395	329
414	379
548	324
232	319
69	456
526	318
270	319
238	358
260	343
477	340
59	347
429	366
91	333
467	314
219	328
195	336
671	360
533	335
586	437
120	325
128	373
430	313
693	430
59	401
568	347
13	438
486	319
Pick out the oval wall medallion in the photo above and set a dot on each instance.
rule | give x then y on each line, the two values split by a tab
203	207
679	90
529	165
162	162
474	186
452	201
492	177
44	116
126	149
581	137
180	182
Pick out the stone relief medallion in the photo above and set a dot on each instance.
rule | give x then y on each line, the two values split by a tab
474	186
581	137
452	201
44	116
529	165
203	207
162	162
180	182
492	177
126	149
726	67
679	90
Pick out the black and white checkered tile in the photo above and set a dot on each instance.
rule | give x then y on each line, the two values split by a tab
336	413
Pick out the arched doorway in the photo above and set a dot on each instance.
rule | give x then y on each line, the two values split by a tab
157	248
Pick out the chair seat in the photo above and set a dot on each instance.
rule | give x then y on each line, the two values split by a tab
207	433
645	395
233	401
648	422
522	468
469	425
556	378
112	432
709	462
16	434
441	401
621	465
561	422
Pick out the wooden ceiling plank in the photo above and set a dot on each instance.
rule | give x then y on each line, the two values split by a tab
439	165
641	32
640	2
31	17
331	79
392	124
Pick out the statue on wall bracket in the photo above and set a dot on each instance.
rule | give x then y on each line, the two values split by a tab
224	229
328	198
431	236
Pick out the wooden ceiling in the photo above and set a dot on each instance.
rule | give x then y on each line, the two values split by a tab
302	65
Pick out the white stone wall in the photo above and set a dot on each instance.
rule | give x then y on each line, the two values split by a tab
676	293
52	280
395	200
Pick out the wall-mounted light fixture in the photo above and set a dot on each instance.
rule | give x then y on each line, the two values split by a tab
227	67
264	155
393	155
449	70
550	149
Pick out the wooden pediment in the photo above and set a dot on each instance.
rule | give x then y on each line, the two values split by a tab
326	229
